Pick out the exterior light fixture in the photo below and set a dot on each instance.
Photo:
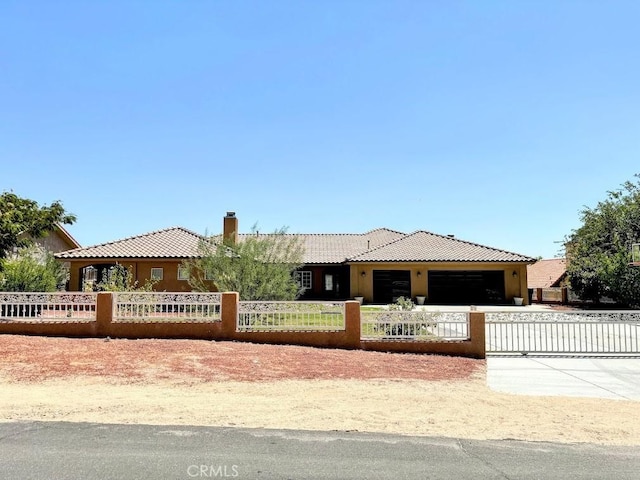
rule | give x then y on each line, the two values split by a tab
363	274
419	273
514	274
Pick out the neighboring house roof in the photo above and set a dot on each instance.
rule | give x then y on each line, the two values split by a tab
175	242
66	236
380	245
57	240
546	273
424	246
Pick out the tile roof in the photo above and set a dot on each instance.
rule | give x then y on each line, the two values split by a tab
336	248
175	242
546	273
380	245
424	246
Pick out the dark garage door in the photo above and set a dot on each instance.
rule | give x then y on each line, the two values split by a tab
464	287
388	285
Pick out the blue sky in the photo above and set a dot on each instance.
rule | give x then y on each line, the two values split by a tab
496	121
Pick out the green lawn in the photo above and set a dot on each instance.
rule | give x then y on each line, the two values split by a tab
292	320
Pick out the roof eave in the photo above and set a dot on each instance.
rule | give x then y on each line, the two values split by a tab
439	260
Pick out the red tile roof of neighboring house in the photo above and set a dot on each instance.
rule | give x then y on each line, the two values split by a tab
424	246
546	273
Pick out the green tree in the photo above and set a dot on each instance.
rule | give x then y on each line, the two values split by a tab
599	252
33	269
22	220
258	267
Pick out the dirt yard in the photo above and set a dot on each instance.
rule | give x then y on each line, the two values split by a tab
247	385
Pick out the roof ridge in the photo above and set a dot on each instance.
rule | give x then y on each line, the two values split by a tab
352	234
131	237
404	235
383	229
187	230
404	238
475	244
313	234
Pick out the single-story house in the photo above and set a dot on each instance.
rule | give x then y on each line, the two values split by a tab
547	273
380	265
155	255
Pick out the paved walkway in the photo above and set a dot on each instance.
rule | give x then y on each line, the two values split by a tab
536	307
613	378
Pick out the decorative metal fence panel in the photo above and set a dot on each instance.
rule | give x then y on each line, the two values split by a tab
414	325
563	332
47	307
166	307
291	316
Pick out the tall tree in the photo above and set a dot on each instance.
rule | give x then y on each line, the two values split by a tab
258	266
22	220
599	252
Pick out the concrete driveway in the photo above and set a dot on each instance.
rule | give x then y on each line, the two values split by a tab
571	376
599	377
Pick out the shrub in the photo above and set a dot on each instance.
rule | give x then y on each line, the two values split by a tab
402	303
120	279
32	269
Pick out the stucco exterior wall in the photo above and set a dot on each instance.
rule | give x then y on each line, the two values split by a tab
362	285
515	285
56	241
141	270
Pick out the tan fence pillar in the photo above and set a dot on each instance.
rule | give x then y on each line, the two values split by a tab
477	334
229	313
352	323
104	313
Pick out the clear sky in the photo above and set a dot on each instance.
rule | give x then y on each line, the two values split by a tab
496	121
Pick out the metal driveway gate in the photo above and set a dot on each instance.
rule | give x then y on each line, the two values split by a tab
584	333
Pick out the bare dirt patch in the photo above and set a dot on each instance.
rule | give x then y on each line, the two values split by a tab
34	359
264	386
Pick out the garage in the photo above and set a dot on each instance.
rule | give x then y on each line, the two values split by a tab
388	285
466	287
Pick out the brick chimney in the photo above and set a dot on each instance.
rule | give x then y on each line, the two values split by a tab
230	227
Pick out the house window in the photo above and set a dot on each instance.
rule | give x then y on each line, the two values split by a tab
303	278
157	273
183	273
89	278
90	274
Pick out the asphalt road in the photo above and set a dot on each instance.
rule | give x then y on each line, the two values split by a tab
88	451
